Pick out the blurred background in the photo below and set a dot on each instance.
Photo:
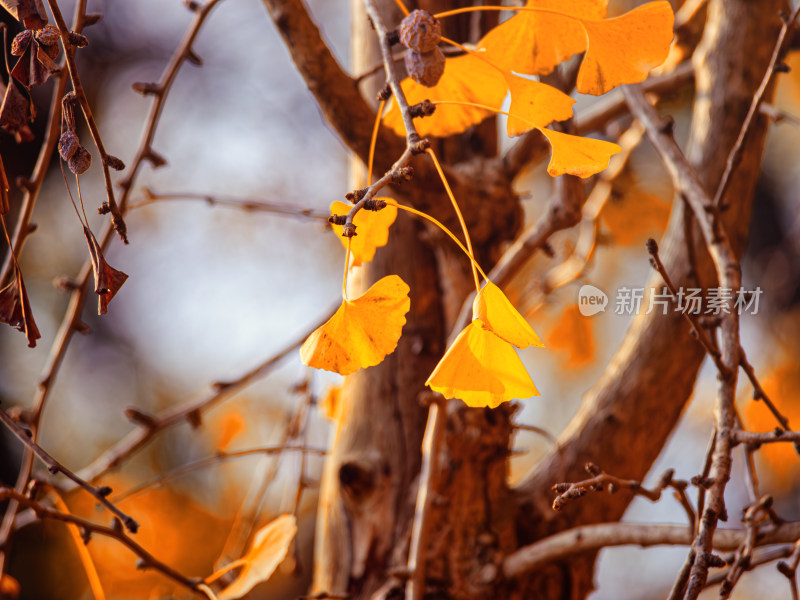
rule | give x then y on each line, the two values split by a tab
214	291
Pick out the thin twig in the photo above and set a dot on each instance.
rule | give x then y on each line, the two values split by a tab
728	272
147	560
209	461
77	87
246	204
735	154
152	425
604	535
100	494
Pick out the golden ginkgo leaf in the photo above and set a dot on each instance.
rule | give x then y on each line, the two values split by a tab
534	104
533	43
495	310
372	230
481	369
270	547
362	331
624	49
466	78
575	155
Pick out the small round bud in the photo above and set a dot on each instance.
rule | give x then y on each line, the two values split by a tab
21	42
68	144
47	35
427	68
80	162
420	31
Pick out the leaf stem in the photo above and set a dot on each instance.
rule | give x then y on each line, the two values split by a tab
458	213
374	141
469	9
346	268
401	6
441	226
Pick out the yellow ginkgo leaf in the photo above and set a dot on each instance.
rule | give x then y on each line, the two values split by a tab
372	230
269	549
577	155
467	78
498	314
362	331
481	370
533	43
624	49
535	104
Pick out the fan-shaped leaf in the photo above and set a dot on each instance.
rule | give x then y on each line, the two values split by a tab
498	314
372	230
577	155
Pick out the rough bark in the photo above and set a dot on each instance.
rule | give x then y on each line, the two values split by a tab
632	409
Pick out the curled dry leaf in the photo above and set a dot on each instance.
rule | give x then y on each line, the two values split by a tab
107	280
270	547
497	313
372	229
15	309
16	112
37	54
30	12
481	369
362	331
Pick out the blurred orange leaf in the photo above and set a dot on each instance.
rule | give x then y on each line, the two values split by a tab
782	385
577	155
624	49
269	549
230	425
534	104
533	43
573	333
635	216
362	331
372	229
466	78
481	369
494	309
332	403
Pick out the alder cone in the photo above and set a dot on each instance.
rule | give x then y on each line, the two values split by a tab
80	162
426	69
68	144
420	31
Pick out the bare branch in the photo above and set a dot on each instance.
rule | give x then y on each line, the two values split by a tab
606	535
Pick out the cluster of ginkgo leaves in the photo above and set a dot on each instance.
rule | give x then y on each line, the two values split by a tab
481	367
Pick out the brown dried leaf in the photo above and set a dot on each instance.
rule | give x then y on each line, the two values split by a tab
15	112
107	279
15	309
36	64
30	12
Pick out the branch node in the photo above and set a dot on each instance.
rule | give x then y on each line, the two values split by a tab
155	158
337	219
418	145
77	40
374	204
147	88
356	195
193	58
423	109
402	174
113	162
91	19
139	417
349	230
192	5
393	37
195	418
385	93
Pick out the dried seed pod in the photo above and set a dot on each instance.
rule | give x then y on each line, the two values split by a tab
21	42
47	35
68	144
420	31
80	162
426	68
